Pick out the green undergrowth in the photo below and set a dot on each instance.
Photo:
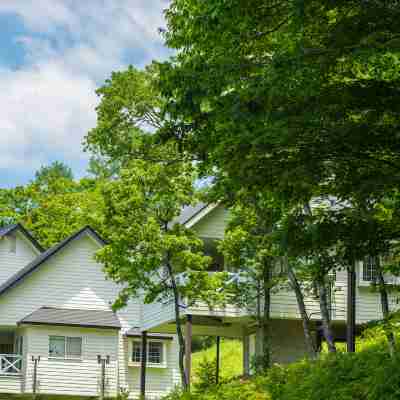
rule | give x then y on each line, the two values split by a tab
368	374
231	355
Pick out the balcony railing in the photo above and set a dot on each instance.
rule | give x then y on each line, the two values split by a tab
10	364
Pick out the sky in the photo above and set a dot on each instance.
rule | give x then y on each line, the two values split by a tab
53	56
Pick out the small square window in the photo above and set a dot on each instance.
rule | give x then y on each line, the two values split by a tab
155	353
65	347
74	347
57	346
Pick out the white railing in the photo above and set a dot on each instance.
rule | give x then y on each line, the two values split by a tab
10	364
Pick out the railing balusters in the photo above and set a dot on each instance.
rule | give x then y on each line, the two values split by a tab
10	364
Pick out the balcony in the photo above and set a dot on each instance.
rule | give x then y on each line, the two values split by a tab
10	364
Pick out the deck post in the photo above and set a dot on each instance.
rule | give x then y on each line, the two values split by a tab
188	349
246	355
351	308
35	368
143	362
217	360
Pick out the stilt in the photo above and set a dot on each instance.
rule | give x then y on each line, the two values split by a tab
143	362
217	360
188	347
246	355
351	309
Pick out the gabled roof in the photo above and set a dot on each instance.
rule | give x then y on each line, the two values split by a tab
38	261
7	230
190	215
73	317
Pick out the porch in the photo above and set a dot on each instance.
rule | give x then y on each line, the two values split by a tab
11	361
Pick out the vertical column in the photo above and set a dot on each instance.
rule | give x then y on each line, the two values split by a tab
217	360
188	347
351	308
143	362
246	354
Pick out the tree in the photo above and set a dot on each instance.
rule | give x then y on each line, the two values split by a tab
149	253
53	205
287	94
247	246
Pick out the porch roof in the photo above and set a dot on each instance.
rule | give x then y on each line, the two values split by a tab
135	332
73	317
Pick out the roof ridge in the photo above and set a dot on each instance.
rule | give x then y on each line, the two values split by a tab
41	258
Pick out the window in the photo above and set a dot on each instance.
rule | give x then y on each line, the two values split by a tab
155	352
137	352
65	347
369	272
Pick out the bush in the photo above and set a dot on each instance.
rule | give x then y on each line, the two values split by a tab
369	374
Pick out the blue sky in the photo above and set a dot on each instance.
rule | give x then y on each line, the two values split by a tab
53	56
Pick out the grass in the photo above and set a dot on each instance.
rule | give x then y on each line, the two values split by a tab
231	357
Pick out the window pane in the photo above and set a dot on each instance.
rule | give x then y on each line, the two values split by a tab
369	269
155	352
57	346
74	347
136	352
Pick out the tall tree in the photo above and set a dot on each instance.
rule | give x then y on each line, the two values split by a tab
53	205
150	253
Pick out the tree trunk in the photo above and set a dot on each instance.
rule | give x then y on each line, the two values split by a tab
310	343
326	319
385	308
266	319
181	341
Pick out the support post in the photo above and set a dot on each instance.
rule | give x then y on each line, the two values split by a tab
35	368
351	309
143	362
103	361
246	355
217	360
188	349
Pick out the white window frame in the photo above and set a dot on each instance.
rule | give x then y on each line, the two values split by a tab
66	356
163	364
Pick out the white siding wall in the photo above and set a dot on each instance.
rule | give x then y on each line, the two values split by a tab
287	342
11	262
159	381
11	384
75	377
213	224
70	279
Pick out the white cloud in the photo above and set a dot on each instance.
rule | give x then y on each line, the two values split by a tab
47	106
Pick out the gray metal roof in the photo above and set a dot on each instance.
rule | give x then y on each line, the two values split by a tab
136	332
6	230
73	317
189	212
38	261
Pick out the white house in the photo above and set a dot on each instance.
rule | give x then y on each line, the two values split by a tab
58	333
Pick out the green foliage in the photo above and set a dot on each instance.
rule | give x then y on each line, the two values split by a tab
235	390
368	374
231	356
53	205
205	375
